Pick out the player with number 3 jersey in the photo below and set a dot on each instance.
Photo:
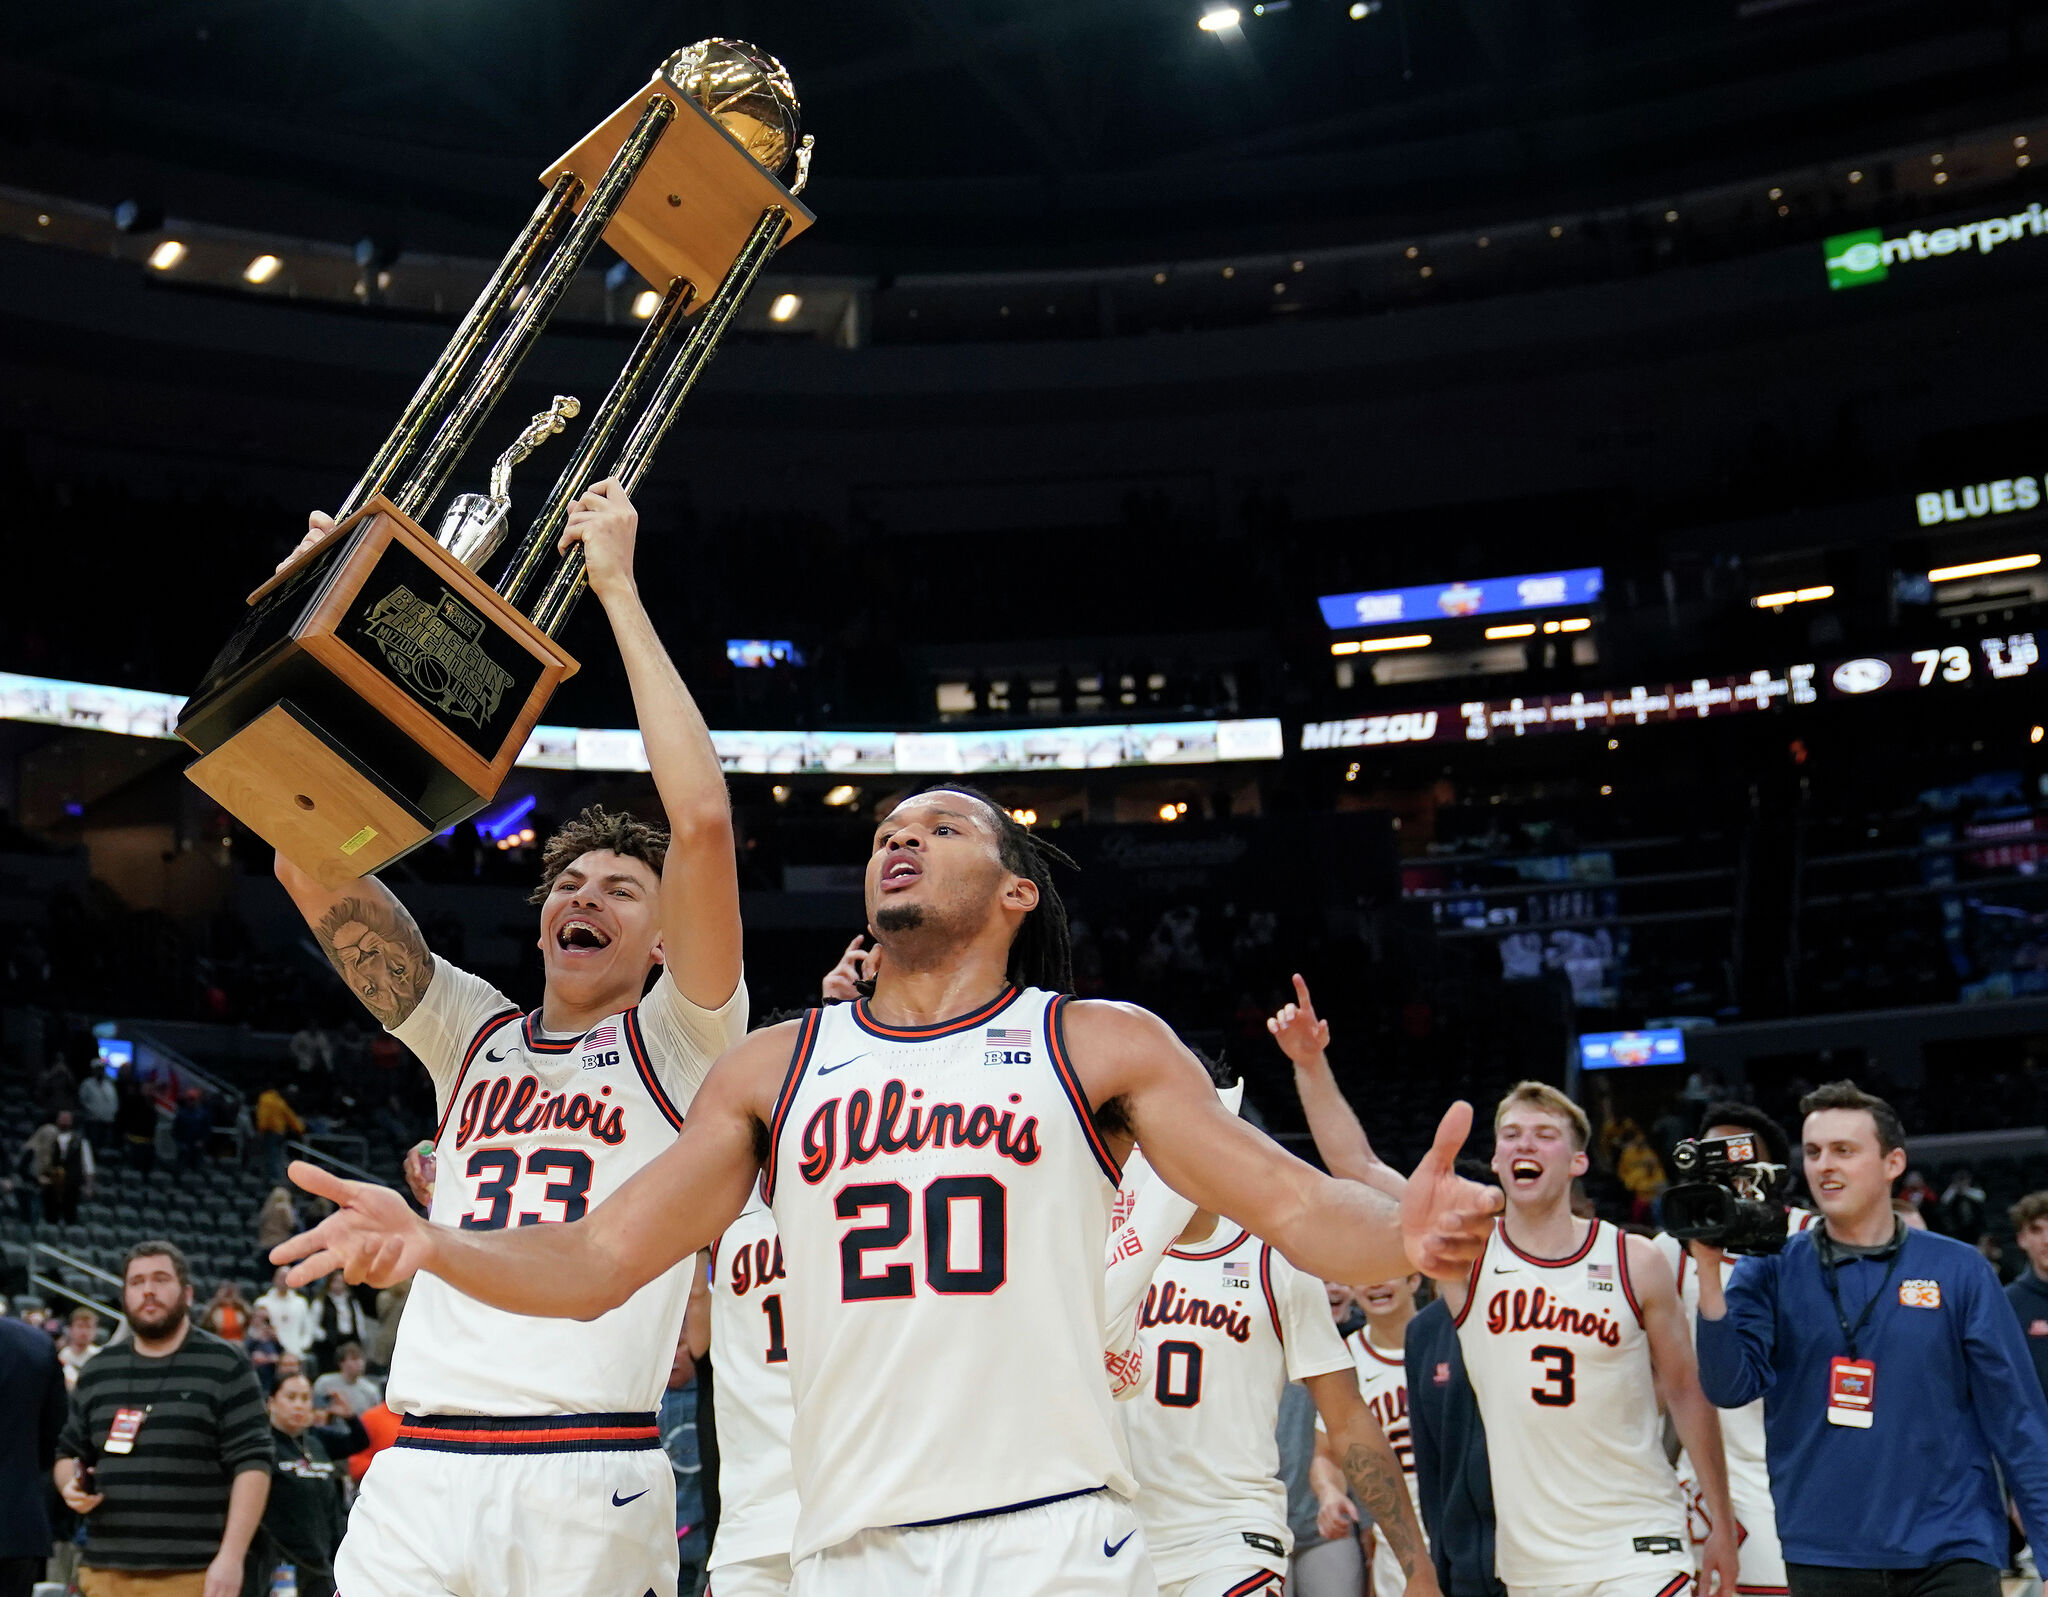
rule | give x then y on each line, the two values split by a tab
1571	1332
527	1462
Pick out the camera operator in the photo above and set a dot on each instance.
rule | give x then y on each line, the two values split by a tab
1895	1373
1742	1429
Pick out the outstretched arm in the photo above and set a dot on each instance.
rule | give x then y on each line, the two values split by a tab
700	890
1692	1416
370	939
1341	1141
1354	1441
682	1201
1335	1230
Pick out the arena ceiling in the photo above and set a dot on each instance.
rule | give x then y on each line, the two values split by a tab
982	132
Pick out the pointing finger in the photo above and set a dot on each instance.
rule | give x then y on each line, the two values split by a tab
321	1183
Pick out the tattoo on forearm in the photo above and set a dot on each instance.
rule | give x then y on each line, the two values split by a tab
377	948
1375	1476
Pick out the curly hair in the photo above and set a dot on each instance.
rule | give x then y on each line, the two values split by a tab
599	828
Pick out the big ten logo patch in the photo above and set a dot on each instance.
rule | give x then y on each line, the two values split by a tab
1007	1045
598	1061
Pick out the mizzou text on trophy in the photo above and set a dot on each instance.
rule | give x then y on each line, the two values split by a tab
380	689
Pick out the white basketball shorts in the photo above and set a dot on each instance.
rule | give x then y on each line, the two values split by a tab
560	1505
1084	1546
751	1577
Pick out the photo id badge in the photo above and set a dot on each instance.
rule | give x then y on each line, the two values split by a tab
1852	1392
121	1434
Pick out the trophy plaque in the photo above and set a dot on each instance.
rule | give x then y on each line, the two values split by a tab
380	689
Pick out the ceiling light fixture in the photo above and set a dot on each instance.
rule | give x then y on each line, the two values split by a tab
1984	568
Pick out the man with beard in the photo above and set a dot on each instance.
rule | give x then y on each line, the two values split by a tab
167	1452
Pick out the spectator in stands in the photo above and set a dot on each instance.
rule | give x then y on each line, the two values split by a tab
32	1411
304	1519
390	1310
135	1121
1637	1167
261	1344
349	1380
1902	1404
338	1317
1962	1208
21	1181
1914	1193
227	1312
275	1221
81	1342
291	1316
59	1087
192	1129
98	1103
275	1121
166	1452
63	1167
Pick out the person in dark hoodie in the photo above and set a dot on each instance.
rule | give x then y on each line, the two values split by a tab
304	1519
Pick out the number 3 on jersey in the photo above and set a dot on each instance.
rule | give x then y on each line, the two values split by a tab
944	1201
564	1172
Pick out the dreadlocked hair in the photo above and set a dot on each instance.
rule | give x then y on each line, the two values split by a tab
599	828
1042	954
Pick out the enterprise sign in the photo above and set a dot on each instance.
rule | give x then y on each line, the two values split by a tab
2000	658
1454	601
1867	256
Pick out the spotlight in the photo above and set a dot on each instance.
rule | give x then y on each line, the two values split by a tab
646	303
1556	231
785	306
261	270
2037	734
1855	177
1416	640
842	795
1024	817
1778	601
1168	813
167	255
1605	790
1216	21
1576	624
779	793
1525	629
1983	568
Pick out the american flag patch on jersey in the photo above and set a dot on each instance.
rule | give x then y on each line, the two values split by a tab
1008	1036
1599	1272
604	1036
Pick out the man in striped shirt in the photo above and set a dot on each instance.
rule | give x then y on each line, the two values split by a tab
167	1452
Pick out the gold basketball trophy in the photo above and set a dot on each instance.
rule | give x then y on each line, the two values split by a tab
380	689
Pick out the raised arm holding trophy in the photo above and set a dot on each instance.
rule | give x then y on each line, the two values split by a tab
380	688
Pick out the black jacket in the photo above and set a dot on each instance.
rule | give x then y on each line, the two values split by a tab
1452	1475
303	1520
33	1404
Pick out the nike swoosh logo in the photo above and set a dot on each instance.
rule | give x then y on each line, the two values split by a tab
494	1056
621	1502
826	1070
1111	1552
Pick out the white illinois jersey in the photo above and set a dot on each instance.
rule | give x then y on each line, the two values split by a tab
750	1342
1560	1362
1383	1383
1742	1440
537	1129
1226	1324
943	1199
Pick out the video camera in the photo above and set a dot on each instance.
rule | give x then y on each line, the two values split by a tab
1734	1199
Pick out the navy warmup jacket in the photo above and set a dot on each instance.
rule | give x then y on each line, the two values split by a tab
1954	1390
1452	1476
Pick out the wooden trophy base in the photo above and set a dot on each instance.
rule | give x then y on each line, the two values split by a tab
378	693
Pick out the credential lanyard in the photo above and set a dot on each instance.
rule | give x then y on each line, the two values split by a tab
1828	1270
